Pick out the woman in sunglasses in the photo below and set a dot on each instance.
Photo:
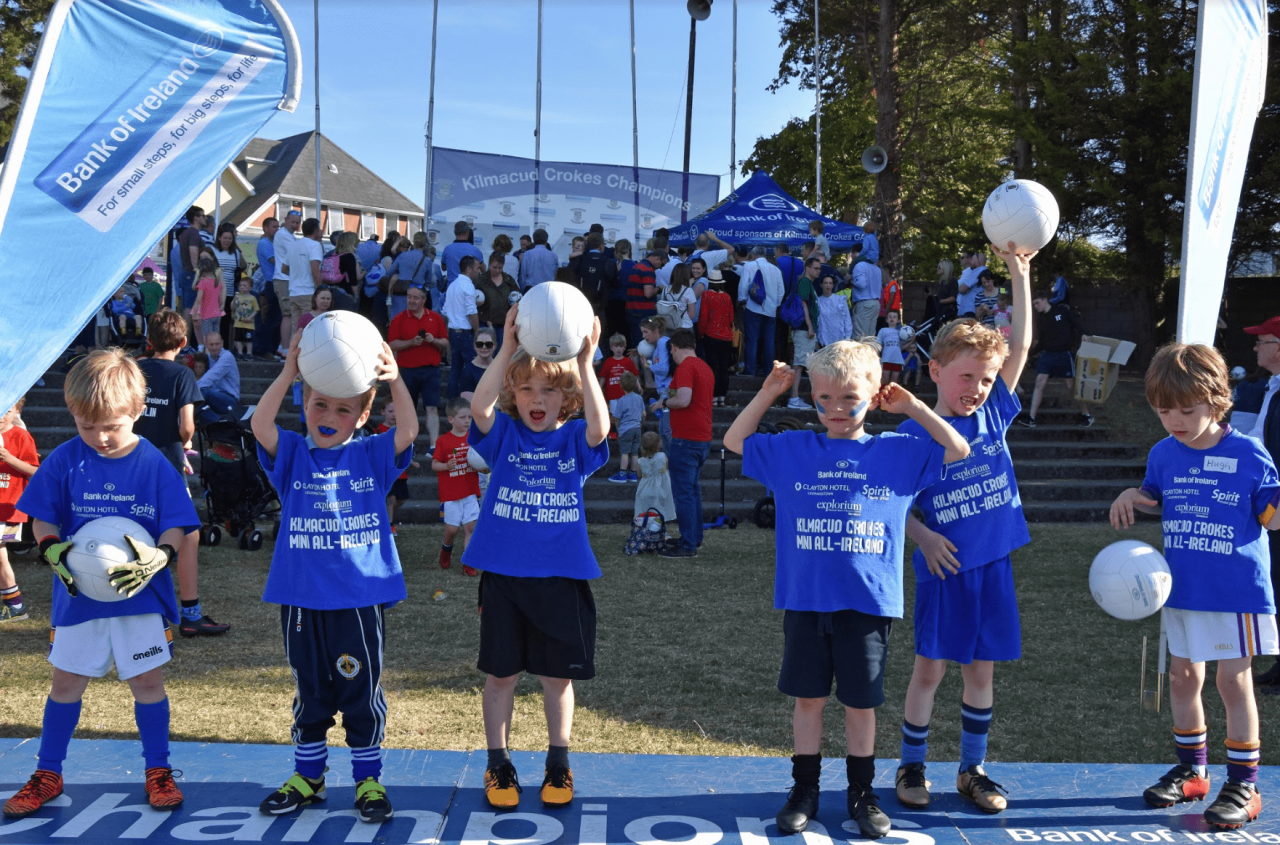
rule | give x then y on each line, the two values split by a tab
486	343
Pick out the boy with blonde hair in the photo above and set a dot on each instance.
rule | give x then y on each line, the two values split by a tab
537	613
1221	606
334	572
18	461
842	501
966	609
107	471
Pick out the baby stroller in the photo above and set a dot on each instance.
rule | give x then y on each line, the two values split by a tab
237	494
925	331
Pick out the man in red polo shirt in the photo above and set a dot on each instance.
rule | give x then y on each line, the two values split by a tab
417	336
689	402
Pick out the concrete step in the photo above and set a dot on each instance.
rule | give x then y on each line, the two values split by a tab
1087	469
1095	511
1069	491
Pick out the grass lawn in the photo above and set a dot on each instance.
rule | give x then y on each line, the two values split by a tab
687	657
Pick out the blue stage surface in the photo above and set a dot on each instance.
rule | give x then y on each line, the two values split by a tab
624	800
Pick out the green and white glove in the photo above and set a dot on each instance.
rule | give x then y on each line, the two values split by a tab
53	553
129	578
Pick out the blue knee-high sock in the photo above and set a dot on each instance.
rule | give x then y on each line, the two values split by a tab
153	730
366	763
915	743
55	733
975	722
309	759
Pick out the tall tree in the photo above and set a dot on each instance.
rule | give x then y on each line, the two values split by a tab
21	23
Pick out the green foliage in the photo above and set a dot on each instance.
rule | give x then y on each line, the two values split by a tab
20	26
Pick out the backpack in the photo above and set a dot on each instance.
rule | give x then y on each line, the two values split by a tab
755	289
793	307
330	272
597	274
670	310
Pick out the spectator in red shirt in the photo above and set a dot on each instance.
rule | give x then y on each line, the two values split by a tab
715	327
689	402
18	461
611	369
417	335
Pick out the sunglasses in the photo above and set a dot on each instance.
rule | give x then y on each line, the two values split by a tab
484	344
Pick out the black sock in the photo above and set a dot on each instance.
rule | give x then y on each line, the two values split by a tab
860	769
498	756
806	768
557	755
448	547
190	602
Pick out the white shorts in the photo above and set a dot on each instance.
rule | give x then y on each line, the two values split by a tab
136	644
1204	635
462	511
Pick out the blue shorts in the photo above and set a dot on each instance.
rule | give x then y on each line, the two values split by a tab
1056	365
972	615
847	646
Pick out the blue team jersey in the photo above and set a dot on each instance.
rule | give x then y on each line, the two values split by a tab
76	485
335	549
841	514
533	522
1211	501
976	504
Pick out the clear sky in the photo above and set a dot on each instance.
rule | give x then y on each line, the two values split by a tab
375	65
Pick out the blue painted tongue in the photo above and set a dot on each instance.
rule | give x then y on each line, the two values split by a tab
326	431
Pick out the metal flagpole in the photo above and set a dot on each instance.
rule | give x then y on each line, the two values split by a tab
635	131
431	113
316	15
733	109
537	127
817	86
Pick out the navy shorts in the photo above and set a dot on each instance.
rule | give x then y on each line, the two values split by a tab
423	382
972	615
1056	365
544	626
400	489
847	646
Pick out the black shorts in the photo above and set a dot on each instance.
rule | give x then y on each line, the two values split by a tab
1056	364
847	646
400	489
242	335
544	626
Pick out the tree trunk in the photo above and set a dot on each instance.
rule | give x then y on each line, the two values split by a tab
888	201
1021	91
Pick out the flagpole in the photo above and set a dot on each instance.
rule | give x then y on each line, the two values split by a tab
733	109
635	129
431	113
316	15
537	127
817	87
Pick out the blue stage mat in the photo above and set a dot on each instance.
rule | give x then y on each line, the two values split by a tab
622	800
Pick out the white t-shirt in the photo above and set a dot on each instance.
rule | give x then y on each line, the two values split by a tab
459	301
284	245
890	346
303	251
686	297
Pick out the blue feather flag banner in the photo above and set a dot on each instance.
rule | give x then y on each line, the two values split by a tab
1230	81
133	108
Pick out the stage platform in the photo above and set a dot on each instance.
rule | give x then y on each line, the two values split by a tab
622	800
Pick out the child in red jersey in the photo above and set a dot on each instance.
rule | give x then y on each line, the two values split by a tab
18	460
611	371
458	481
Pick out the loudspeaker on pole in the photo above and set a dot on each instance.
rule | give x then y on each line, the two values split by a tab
699	10
874	159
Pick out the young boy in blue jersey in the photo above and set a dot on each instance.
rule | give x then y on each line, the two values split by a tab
842	500
1216	490
107	471
334	572
966	609
537	614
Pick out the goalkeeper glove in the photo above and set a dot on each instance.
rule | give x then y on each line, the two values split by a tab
129	578
53	552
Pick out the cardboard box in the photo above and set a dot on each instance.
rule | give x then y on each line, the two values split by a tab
1098	366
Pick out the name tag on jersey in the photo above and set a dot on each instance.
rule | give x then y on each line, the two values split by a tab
1213	463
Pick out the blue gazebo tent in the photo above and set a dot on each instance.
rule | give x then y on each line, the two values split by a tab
761	213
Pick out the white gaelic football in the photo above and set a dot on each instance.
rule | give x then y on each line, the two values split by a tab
553	319
1130	580
1021	211
338	354
98	546
906	333
477	463
645	348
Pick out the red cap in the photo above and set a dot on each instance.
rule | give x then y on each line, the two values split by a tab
1271	326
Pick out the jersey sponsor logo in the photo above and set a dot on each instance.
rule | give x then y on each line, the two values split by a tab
362	485
568	466
151	652
1193	510
1224	498
148	511
108	486
1216	463
348	667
